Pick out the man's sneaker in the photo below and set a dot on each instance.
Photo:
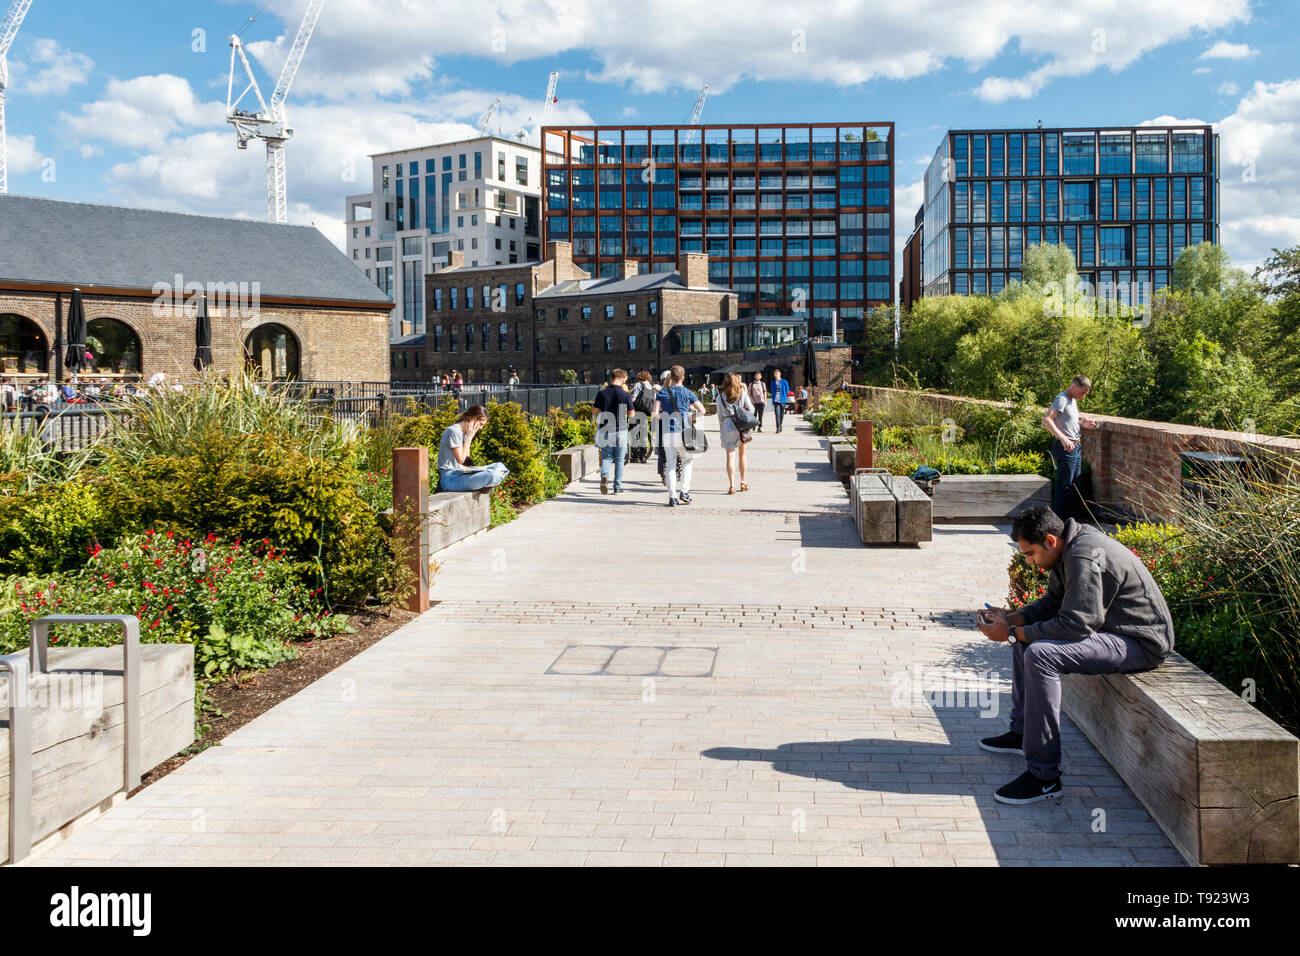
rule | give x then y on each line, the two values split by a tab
684	498
672	502
1027	788
1009	743
604	486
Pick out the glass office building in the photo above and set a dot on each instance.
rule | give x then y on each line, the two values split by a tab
798	219
1125	200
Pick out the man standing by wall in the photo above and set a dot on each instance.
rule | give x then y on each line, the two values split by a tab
780	397
1063	421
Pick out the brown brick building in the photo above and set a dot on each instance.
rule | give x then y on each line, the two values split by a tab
281	298
543	317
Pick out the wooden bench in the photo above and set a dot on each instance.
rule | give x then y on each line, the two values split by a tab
1218	776
455	515
81	726
888	509
842	455
988	497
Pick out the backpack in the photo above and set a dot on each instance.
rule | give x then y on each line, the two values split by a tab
644	401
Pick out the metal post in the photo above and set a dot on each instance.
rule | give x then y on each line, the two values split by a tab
411	500
20	758
58	338
865	450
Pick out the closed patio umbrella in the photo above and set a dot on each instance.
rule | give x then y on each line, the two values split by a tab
202	337
75	358
810	364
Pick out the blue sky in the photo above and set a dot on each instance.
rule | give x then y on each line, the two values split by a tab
113	103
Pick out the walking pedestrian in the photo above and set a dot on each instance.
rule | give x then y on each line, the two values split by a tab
612	410
1062	421
758	396
677	407
8	396
643	400
735	434
780	397
454	471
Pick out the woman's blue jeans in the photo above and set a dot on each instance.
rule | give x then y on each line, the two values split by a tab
489	477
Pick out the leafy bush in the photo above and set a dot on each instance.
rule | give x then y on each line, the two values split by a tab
507	438
48	528
503	508
1028	583
180	589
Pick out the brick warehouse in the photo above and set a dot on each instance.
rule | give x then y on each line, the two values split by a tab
539	318
282	298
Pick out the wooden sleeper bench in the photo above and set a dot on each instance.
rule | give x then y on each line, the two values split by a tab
889	509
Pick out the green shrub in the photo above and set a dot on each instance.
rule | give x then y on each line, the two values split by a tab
1023	463
508	438
1028	583
503	508
49	528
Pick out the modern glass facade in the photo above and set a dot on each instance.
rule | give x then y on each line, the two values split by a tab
798	219
1126	202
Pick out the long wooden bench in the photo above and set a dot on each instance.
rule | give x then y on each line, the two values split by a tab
842	453
889	509
1218	776
577	461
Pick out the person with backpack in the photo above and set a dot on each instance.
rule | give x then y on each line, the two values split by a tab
678	406
736	422
643	401
612	409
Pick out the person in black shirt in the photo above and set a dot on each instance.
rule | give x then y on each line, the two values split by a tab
613	408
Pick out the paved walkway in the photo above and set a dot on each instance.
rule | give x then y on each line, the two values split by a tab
608	681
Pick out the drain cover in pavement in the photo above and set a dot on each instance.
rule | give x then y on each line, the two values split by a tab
634	660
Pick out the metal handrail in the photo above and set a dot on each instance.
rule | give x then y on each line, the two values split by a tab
20	742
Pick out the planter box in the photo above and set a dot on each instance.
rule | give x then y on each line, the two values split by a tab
77	728
577	461
454	515
1217	775
988	497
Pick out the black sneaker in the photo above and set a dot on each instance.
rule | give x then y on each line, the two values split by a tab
1009	743
672	502
604	486
1027	788
684	498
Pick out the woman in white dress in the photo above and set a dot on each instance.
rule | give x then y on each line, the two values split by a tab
731	398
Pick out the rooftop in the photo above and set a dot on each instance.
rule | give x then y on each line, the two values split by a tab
642	282
55	242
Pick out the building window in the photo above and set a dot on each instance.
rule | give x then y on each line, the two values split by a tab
561	345
519	293
631	309
609	311
469	338
609	343
652	341
654	306
586	312
631	343
563	315
586	343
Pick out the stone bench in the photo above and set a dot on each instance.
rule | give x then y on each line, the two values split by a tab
454	515
577	461
988	497
76	722
889	509
1218	776
842	454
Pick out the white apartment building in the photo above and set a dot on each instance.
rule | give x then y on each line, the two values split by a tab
480	197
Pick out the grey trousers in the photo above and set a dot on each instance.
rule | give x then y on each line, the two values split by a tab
1036	688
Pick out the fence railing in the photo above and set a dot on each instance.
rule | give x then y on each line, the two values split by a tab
72	428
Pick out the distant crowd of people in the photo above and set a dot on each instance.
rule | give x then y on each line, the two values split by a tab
76	390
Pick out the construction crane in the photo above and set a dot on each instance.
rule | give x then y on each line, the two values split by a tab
547	103
8	30
698	108
489	114
267	123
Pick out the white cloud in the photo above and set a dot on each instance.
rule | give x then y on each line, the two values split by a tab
47	67
1200	69
143	111
627	112
1228	89
1223	50
1091	35
21	155
90	151
664	45
1260	174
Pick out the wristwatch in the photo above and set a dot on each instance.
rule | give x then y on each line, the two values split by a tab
1011	635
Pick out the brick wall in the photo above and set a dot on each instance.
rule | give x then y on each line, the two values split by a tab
1136	464
334	345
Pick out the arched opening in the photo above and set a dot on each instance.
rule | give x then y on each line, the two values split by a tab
23	346
113	346
271	352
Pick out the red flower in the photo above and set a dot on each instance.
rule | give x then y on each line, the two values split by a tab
169	534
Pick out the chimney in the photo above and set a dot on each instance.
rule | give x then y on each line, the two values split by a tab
561	256
455	260
693	268
629	268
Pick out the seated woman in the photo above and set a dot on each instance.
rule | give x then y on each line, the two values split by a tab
454	472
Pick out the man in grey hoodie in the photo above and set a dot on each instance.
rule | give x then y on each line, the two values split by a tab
1102	613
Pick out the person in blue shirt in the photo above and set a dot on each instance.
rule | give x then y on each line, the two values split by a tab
780	397
676	404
